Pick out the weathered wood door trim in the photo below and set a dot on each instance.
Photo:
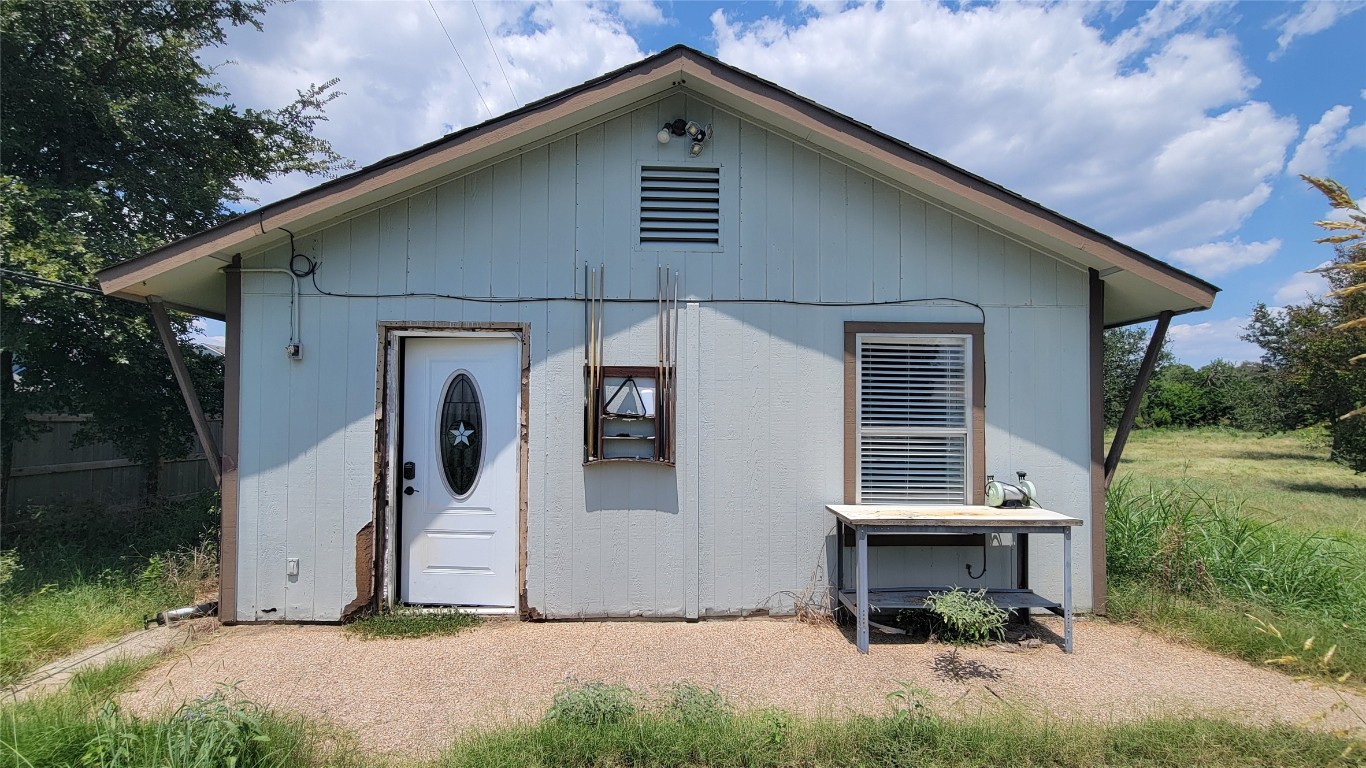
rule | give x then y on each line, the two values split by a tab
379	551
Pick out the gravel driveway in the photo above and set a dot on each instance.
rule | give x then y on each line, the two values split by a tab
412	696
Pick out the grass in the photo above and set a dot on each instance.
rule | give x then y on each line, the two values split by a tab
73	577
772	738
1200	559
400	623
1285	478
596	725
83	726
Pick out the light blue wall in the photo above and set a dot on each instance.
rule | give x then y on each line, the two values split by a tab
739	525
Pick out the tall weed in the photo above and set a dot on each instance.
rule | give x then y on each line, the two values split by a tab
1193	544
80	576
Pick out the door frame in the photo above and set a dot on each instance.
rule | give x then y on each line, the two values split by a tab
389	426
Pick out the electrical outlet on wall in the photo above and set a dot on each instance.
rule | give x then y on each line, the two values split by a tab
292	566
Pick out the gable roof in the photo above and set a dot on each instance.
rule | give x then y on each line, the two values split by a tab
186	272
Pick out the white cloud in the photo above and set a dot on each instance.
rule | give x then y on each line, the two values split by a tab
1151	133
641	12
206	331
1321	142
1301	286
403	82
1198	343
1215	259
1313	17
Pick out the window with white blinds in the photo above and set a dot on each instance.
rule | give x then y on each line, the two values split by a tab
914	406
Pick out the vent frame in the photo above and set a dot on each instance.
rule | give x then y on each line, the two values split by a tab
701	196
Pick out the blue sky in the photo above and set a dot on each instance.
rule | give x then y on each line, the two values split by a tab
1178	128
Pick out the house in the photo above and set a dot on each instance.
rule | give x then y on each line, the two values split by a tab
463	375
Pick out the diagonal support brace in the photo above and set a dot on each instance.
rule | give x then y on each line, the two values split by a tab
1145	373
182	378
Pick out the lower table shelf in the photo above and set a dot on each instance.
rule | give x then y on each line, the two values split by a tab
890	600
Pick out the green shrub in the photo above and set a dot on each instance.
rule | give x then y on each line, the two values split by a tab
692	705
591	704
967	616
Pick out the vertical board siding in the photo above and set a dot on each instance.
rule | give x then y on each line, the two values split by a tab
739	525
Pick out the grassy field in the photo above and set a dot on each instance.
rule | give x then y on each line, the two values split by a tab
74	577
600	725
1286	478
1247	545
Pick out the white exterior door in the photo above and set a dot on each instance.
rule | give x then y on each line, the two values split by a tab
458	471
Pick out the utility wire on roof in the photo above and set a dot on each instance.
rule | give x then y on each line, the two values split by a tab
451	40
24	277
477	15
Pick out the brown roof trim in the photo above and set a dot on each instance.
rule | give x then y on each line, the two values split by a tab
268	218
857	137
834	128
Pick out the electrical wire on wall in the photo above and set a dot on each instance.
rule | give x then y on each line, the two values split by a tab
312	269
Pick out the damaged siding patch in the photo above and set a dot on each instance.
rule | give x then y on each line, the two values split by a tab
365	572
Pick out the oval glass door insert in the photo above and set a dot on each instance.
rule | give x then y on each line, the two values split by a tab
461	432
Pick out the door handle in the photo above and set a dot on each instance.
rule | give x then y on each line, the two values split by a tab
409	491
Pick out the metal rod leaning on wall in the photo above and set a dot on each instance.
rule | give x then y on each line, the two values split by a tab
674	347
591	354
670	365
587	366
597	403
660	418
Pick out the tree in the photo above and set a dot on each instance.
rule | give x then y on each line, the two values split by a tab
1123	355
116	139
1316	346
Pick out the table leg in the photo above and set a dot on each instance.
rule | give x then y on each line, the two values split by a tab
1067	589
839	570
861	577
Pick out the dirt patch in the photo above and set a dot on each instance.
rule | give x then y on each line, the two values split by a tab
413	696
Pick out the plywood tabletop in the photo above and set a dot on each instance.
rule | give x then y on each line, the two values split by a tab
948	515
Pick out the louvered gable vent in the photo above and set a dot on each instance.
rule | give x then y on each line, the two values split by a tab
913	419
680	205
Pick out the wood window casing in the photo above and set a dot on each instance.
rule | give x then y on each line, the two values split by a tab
649	438
976	428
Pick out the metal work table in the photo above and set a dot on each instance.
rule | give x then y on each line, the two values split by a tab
963	519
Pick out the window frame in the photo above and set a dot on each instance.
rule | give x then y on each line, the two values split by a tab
661	439
975	474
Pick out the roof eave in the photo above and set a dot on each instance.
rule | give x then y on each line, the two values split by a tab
709	77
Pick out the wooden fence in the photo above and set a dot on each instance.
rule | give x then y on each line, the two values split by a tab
48	470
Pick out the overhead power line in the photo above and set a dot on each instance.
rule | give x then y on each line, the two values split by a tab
496	58
461	59
34	280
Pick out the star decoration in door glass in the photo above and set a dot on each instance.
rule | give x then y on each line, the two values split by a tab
461	434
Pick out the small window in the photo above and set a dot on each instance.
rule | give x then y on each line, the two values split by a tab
680	206
914	408
461	434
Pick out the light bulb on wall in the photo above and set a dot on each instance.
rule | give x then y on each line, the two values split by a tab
670	129
695	149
